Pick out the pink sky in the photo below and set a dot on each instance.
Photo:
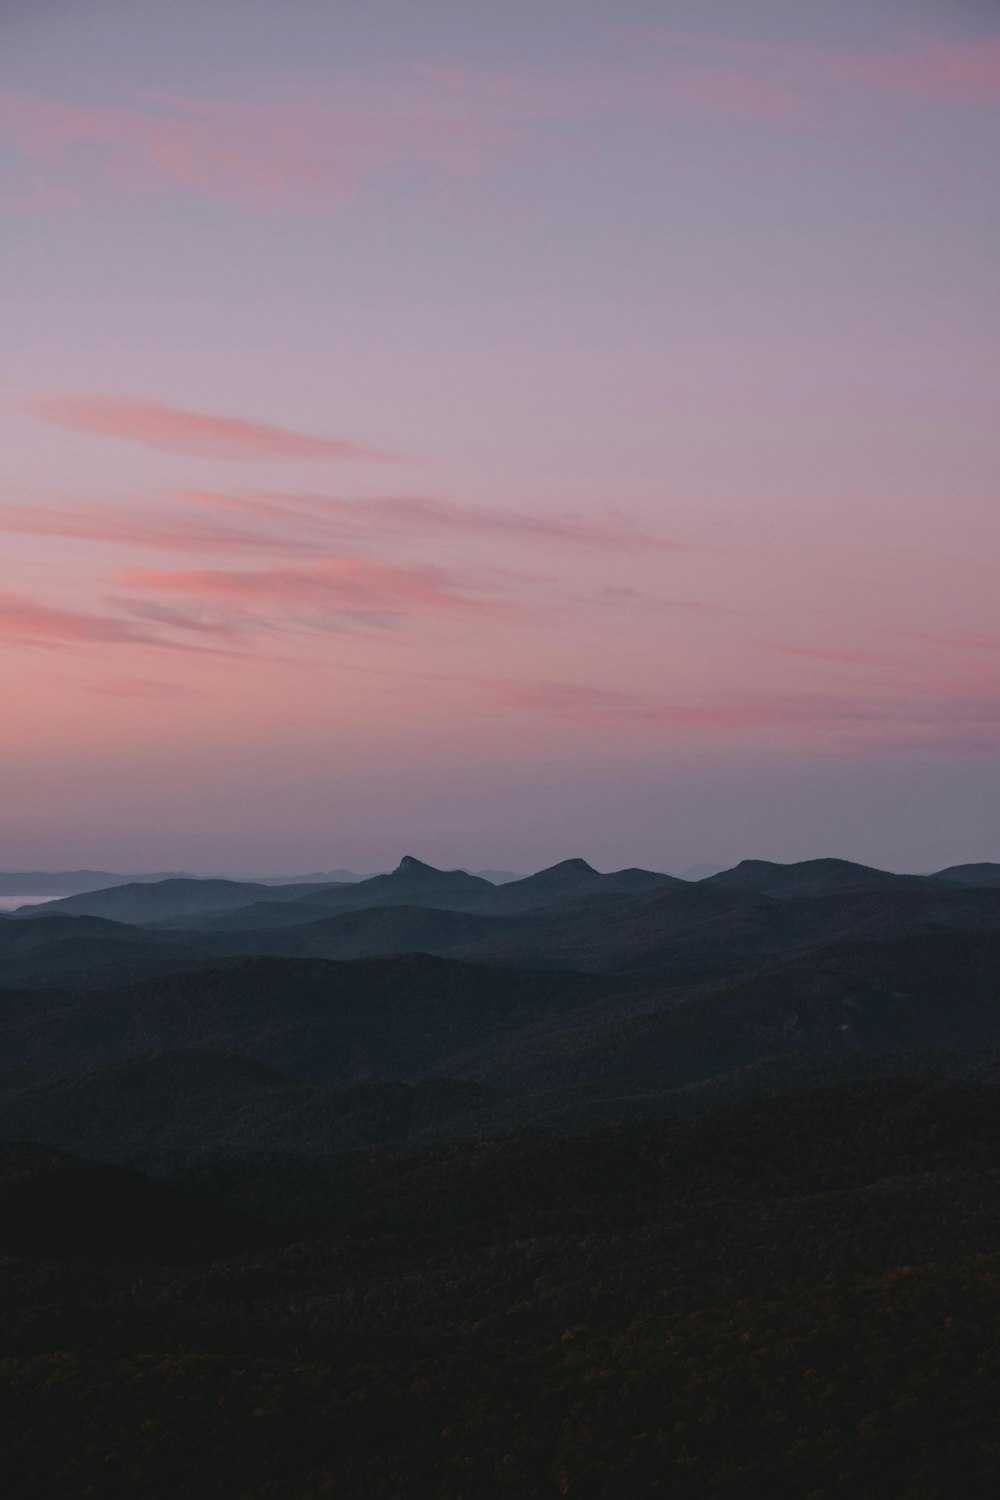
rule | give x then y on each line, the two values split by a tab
499	439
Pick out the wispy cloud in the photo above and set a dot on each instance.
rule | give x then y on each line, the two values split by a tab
945	72
840	656
198	521
922	69
586	704
334	534
958	720
170	429
959	642
26	621
416	515
315	146
622	596
143	527
154	612
30	622
336	582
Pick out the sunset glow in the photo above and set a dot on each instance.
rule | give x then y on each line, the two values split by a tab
417	439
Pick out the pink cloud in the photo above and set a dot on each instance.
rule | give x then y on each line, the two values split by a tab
303	150
947	719
922	69
193	434
591	704
423	515
200	521
350	583
960	73
25	621
132	526
310	146
662	80
631	598
960	642
154	613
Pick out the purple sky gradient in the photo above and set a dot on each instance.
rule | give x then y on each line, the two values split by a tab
499	433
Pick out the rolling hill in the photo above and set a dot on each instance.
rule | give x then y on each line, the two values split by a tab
639	1184
165	1109
976	875
163	899
399	1017
58	1206
87	953
900	994
808	878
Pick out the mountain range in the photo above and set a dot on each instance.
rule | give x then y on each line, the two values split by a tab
604	1185
56	883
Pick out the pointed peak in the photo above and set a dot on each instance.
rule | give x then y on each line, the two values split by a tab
408	865
565	867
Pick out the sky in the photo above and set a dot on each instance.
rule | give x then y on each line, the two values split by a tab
499	433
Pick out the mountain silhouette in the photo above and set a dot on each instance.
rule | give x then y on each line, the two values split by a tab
282	1161
982	874
163	899
574	877
808	877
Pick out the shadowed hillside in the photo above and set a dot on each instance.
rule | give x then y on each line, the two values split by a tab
54	1205
592	1185
171	1106
324	1022
164	899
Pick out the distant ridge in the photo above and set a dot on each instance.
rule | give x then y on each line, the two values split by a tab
808	877
571	894
160	900
982	874
411	883
575	877
71	882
